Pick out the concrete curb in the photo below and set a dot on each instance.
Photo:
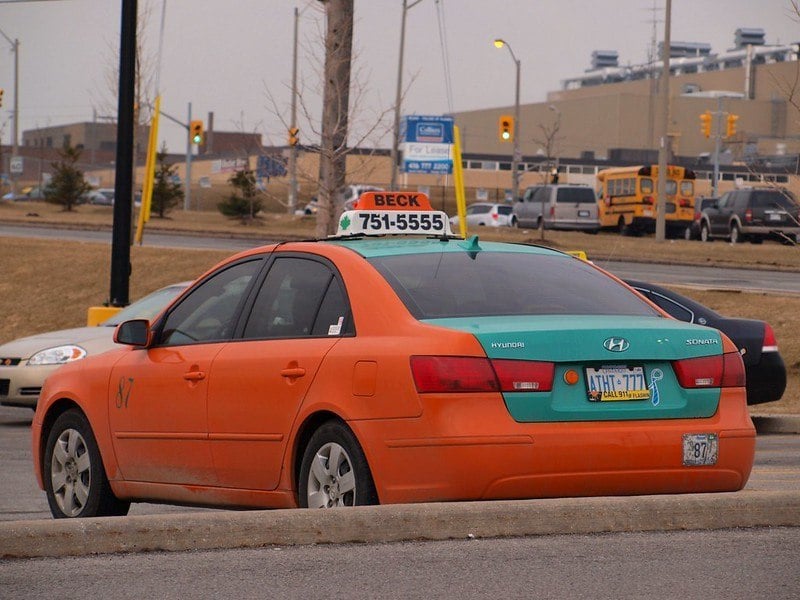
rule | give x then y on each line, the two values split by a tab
777	424
376	524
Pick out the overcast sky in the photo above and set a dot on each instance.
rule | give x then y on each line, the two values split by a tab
230	56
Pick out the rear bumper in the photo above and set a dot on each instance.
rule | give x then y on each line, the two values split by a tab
467	447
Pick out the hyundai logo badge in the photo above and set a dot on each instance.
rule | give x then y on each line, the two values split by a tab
615	344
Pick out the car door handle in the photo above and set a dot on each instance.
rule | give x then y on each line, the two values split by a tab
293	372
194	375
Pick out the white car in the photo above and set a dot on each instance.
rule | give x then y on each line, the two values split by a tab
485	214
26	362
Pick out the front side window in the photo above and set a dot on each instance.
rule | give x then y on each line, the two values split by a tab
456	284
299	298
209	312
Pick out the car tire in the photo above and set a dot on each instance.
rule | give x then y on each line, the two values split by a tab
756	240
736	234
514	222
705	234
348	482
74	476
623	229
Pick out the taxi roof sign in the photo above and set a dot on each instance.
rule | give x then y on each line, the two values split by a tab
393	201
394	213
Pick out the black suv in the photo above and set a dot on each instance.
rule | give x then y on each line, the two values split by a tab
752	214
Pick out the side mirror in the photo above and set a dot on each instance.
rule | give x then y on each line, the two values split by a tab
135	332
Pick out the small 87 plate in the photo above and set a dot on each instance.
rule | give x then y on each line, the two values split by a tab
700	449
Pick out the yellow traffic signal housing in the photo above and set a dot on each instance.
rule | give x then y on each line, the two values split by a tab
506	128
2	91
705	123
731	129
294	134
196	132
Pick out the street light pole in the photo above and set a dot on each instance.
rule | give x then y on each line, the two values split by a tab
398	96
14	143
499	43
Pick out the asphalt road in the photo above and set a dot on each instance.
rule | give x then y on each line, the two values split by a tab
708	277
686	565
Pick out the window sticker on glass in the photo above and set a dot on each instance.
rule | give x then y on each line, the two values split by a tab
336	329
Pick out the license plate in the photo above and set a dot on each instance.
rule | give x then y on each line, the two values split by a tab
583	213
775	217
700	449
616	383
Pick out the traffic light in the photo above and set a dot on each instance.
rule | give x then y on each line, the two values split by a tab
196	132
294	138
731	129
506	128
2	91
705	123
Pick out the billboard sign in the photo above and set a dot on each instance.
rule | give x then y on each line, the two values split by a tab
427	144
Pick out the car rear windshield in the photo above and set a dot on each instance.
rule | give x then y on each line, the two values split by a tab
469	284
575	195
773	199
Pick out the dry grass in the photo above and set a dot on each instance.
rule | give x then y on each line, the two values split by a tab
48	285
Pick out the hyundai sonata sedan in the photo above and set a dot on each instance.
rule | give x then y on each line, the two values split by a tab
381	367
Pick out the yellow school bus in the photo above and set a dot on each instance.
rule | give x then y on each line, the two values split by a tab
626	198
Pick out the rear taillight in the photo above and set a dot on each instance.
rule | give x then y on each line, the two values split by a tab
445	374
770	341
649	200
552	211
685	202
495	216
725	370
748	215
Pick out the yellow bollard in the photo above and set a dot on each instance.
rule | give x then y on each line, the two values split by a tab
98	314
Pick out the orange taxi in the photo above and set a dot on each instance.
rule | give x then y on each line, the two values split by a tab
378	366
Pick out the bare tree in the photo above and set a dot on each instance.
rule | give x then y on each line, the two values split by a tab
356	130
548	140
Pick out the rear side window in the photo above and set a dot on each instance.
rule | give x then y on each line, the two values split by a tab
456	284
771	200
575	196
504	210
299	298
479	209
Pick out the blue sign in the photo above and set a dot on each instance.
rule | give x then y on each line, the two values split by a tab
427	144
431	130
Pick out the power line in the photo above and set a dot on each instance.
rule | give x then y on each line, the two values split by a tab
445	54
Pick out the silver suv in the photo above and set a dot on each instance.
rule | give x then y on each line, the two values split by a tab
564	206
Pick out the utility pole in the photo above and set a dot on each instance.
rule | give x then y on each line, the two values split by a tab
187	197
293	124
399	94
663	147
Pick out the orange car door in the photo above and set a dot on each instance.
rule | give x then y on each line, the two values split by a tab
259	382
158	414
158	396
